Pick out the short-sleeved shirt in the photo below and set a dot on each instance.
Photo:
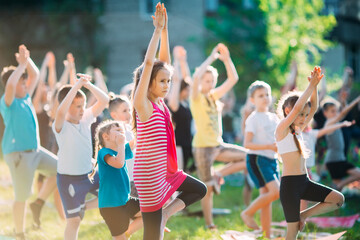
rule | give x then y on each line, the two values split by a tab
206	113
114	183
310	138
335	147
21	127
75	147
263	126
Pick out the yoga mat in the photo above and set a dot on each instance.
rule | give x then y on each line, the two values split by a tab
333	237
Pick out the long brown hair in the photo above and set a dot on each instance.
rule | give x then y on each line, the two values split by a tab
289	100
103	127
158	65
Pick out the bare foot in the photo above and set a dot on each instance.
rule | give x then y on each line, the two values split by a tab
249	221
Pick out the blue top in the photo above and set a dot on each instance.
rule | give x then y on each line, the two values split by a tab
114	183
21	127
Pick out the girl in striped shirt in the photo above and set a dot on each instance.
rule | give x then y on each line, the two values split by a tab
156	174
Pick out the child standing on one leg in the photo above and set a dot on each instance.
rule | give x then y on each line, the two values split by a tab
341	171
72	131
156	173
20	144
115	204
295	184
261	160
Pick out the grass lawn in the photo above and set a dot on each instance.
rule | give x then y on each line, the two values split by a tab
183	227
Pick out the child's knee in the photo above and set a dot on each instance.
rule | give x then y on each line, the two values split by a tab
340	199
274	195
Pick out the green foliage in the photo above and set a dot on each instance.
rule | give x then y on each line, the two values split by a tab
295	31
266	36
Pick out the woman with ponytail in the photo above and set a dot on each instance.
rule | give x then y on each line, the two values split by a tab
295	183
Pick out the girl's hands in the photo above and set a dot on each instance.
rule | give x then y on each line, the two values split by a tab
160	18
84	79
23	55
315	76
119	135
215	52
224	53
179	53
348	123
51	59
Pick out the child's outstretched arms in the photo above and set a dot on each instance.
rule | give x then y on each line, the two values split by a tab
142	104
328	129
232	76
200	71
101	97
22	58
282	128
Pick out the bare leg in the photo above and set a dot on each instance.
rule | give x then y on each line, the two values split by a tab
266	197
135	225
19	216
292	230
91	204
175	206
354	175
207	205
246	191
265	218
231	168
303	205
333	201
72	228
58	204
120	237
47	188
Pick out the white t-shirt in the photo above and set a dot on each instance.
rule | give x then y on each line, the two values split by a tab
262	125
75	147
310	139
130	162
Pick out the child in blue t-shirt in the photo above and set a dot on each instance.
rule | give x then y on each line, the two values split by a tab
115	204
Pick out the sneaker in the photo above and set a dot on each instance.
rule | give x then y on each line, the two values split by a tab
35	209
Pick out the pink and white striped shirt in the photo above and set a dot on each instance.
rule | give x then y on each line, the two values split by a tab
156	176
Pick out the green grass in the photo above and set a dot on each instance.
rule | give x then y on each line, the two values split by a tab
183	227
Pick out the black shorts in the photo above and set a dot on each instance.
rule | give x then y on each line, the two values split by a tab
118	218
339	170
296	187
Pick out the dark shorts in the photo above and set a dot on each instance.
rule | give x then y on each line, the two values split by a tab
262	169
296	187
118	218
339	170
73	190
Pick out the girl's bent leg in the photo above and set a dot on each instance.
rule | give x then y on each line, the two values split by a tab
292	230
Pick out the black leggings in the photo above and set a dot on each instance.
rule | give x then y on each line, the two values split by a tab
296	187
191	190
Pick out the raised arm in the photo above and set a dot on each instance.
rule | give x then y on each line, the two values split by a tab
141	102
232	76
52	78
283	126
117	161
331	128
72	68
200	71
101	97
174	94
65	75
66	103
164	54
314	104
343	112
100	83
22	58
33	76
40	86
181	56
